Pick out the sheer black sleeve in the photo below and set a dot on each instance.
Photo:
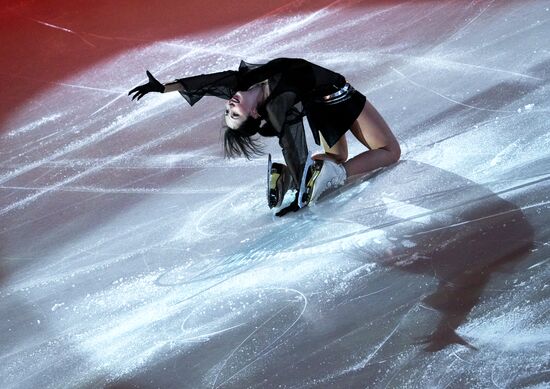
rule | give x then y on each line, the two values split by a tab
226	83
222	84
253	73
285	115
294	145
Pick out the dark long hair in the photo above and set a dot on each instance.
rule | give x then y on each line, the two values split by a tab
243	141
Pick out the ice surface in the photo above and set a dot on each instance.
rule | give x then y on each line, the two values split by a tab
133	255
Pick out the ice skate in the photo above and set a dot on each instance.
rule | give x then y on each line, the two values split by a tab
325	175
278	181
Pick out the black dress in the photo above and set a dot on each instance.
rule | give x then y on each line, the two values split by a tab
296	87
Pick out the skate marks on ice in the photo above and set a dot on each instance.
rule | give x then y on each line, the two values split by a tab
266	317
221	293
440	227
219	297
440	237
379	266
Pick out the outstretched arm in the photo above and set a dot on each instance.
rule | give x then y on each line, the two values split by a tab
222	84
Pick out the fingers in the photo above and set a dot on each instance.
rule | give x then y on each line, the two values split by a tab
150	76
137	91
138	94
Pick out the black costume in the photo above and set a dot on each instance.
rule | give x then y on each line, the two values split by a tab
298	88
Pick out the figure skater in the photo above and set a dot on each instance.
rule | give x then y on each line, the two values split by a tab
271	99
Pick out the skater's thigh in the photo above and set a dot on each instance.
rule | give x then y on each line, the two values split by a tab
371	129
338	151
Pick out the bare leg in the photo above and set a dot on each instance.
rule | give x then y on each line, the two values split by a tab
338	152
372	131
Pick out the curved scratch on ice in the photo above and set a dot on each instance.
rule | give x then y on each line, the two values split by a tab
263	352
446	97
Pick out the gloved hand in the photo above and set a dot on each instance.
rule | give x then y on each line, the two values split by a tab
293	207
152	86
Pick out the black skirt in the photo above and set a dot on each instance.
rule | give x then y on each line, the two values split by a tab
334	117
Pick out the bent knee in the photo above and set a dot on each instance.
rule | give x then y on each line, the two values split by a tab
394	152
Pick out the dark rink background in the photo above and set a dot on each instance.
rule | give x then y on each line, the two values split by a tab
133	255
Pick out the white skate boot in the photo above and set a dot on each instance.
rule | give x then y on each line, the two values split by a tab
331	176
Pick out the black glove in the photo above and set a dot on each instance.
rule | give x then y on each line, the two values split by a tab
293	207
152	86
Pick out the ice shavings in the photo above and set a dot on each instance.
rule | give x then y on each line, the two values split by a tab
55	307
510	149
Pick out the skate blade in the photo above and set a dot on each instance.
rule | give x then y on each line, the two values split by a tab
268	185
273	196
315	171
305	173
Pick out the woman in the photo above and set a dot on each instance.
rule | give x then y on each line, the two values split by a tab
271	100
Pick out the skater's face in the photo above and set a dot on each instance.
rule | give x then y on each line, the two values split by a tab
238	108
